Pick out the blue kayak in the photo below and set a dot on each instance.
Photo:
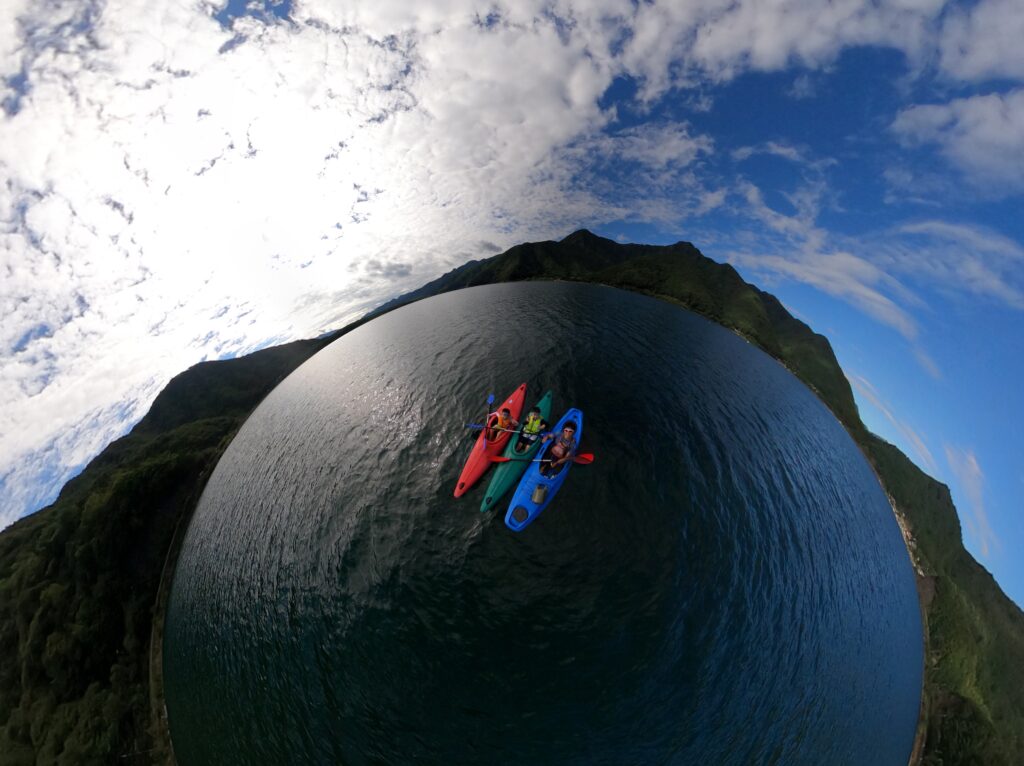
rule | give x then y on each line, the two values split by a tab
536	491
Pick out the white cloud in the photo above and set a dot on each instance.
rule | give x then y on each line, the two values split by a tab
803	87
874	272
656	146
166	202
710	200
843	275
803	253
976	238
983	40
957	258
177	190
921	185
781	149
982	136
672	41
927	363
10	38
644	173
803	256
917	443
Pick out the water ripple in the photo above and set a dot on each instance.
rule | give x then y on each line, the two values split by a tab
726	584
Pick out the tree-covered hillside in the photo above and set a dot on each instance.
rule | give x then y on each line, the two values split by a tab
83	582
79	580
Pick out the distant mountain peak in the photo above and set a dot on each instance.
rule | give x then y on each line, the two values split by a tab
584	236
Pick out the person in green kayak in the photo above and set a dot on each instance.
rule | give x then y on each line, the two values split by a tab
504	422
532	428
561	451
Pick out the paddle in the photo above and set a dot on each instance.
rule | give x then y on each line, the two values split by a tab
585	459
477	426
487	411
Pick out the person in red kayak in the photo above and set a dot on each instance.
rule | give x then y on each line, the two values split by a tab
561	451
503	422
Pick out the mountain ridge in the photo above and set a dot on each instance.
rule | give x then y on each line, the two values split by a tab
83	582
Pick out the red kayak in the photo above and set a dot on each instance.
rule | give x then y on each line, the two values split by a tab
484	449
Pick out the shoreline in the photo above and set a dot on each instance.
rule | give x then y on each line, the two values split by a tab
160	727
924	584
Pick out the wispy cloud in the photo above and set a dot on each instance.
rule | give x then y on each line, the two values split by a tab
959	259
971	480
917	443
840	274
928	364
805	254
874	272
785	151
982	136
803	87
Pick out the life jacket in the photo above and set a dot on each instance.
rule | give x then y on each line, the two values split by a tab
562	446
503	422
532	425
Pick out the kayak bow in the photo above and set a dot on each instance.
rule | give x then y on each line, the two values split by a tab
484	449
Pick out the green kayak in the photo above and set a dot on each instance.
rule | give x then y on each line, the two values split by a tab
506	475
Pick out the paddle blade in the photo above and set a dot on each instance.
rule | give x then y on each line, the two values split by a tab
498	459
585	459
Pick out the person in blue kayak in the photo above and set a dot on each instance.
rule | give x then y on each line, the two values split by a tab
504	422
532	428
561	451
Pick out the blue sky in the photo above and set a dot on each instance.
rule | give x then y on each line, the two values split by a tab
188	182
956	416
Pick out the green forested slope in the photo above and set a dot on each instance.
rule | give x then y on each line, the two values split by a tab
974	681
79	580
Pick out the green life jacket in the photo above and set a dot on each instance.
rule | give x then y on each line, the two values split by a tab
532	425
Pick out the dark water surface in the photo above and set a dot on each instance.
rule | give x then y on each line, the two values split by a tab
726	584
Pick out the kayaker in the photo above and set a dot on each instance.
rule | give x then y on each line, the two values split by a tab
504	422
531	429
562	450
